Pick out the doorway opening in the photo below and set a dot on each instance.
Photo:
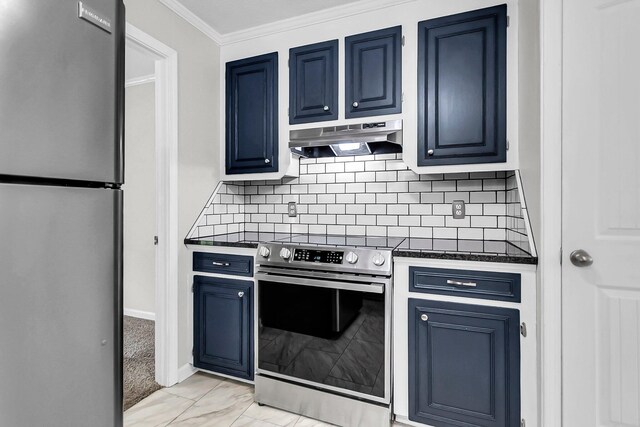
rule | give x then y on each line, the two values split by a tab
150	217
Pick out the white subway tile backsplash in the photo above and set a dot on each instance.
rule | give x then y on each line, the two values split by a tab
371	195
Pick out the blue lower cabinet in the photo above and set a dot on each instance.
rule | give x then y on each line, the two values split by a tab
464	364
223	326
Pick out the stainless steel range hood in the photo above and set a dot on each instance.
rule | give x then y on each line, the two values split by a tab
348	140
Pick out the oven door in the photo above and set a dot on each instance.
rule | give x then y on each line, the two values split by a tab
325	331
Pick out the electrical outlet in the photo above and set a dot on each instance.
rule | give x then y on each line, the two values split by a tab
293	209
457	208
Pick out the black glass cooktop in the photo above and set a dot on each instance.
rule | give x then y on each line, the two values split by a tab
370	242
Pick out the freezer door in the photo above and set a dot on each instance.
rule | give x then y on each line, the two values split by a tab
60	306
61	89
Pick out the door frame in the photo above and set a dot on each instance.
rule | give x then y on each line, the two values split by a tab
166	129
550	254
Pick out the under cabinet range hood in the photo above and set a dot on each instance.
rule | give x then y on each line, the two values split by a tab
348	140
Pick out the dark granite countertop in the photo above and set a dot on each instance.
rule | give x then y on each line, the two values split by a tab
411	247
245	239
464	250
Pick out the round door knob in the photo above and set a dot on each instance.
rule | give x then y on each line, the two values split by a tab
355	104
264	252
240	294
430	152
285	253
325	108
424	317
581	258
352	258
267	161
378	259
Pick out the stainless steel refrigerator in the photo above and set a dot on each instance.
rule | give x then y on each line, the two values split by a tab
61	167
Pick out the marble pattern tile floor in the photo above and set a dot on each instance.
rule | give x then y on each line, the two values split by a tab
207	400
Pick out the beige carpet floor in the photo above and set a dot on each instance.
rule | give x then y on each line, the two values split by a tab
139	360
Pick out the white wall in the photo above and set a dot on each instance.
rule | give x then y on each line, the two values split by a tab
198	111
529	109
140	199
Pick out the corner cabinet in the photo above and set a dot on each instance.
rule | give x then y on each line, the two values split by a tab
464	364
223	326
252	115
373	73
462	99
313	83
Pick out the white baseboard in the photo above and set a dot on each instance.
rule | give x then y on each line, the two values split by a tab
185	372
140	314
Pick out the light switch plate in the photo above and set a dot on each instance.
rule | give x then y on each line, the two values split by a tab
457	208
293	209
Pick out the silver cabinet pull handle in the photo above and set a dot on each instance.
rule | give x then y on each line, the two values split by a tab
424	317
240	294
221	264
430	152
355	104
456	283
326	108
267	161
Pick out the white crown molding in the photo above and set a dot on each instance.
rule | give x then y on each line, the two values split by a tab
301	21
140	80
313	18
180	10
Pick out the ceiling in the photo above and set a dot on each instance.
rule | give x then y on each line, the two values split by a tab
227	16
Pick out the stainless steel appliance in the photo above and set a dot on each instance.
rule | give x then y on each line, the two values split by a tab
61	166
324	327
348	140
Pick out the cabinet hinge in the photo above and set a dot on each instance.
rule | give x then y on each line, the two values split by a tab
508	20
522	423
402	97
523	329
403	41
193	287
289	62
287	112
508	145
560	256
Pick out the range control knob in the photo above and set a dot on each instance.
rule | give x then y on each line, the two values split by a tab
378	259
264	252
285	253
352	258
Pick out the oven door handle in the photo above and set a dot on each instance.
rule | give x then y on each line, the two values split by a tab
372	288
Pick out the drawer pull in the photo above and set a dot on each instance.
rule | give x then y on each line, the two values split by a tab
221	264
456	283
240	294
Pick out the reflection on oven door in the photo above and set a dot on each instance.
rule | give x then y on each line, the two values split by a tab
322	335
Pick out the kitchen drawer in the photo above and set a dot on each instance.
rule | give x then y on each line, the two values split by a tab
465	283
234	265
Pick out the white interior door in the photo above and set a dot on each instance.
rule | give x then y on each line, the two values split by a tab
601	212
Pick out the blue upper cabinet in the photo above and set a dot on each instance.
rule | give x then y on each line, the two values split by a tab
373	73
313	83
464	364
252	115
462	88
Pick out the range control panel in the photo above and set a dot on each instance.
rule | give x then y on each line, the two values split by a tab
315	255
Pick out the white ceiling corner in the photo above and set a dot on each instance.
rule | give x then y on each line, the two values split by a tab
231	21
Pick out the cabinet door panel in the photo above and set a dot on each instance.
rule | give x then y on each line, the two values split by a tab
374	73
313	83
462	88
223	328
252	115
464	364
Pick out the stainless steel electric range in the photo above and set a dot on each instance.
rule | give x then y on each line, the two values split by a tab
324	327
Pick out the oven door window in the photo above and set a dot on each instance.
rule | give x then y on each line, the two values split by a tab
322	335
